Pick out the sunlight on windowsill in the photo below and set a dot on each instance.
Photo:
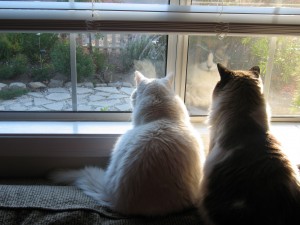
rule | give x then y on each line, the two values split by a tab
288	133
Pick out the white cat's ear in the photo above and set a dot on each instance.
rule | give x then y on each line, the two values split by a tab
170	79
138	76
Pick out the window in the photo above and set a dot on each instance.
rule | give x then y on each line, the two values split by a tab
83	46
277	56
75	60
254	3
38	74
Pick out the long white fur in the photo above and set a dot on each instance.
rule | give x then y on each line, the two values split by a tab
156	167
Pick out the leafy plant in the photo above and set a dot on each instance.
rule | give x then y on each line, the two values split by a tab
104	108
19	64
259	48
100	61
5	47
28	44
297	100
42	73
12	93
60	56
6	71
286	59
85	65
286	64
16	66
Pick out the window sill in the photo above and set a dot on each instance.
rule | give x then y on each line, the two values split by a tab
33	148
62	128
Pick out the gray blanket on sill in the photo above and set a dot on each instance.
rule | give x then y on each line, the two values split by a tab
44	204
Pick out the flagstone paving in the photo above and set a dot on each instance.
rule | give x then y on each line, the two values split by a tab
60	99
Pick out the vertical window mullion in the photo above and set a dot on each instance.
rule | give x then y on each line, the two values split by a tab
269	66
73	70
181	64
171	54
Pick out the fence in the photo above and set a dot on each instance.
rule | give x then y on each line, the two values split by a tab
107	42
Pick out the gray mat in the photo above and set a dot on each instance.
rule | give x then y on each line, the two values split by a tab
46	204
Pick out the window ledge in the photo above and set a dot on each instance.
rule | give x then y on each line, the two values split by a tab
62	128
34	148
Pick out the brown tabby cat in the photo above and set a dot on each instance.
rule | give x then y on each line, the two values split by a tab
248	180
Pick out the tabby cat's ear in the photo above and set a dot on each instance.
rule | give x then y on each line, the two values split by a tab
138	76
255	70
224	72
169	79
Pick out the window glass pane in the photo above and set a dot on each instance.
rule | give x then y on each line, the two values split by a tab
35	70
135	1
106	1
115	57
261	3
278	58
31	67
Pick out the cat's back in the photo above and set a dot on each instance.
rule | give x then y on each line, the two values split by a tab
254	178
248	178
175	139
166	129
164	160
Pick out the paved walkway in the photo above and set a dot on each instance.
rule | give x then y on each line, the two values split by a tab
59	99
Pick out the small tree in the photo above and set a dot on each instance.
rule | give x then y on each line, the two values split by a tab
15	66
60	56
28	44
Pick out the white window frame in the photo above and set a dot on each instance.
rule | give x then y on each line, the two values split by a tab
39	142
177	20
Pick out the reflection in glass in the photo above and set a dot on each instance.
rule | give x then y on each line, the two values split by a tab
279	61
115	57
257	3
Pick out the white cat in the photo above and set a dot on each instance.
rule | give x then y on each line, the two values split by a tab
248	179
201	79
202	75
156	167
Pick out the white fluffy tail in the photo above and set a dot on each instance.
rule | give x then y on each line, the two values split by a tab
90	180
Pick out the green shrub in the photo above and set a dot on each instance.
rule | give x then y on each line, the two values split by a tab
60	56
6	71
286	58
12	93
104	108
100	61
28	44
297	100
16	66
85	65
5	47
19	64
43	73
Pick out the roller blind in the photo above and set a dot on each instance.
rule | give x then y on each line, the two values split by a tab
105	17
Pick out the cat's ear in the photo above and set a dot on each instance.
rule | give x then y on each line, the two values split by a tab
169	79
224	72
138	76
255	70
